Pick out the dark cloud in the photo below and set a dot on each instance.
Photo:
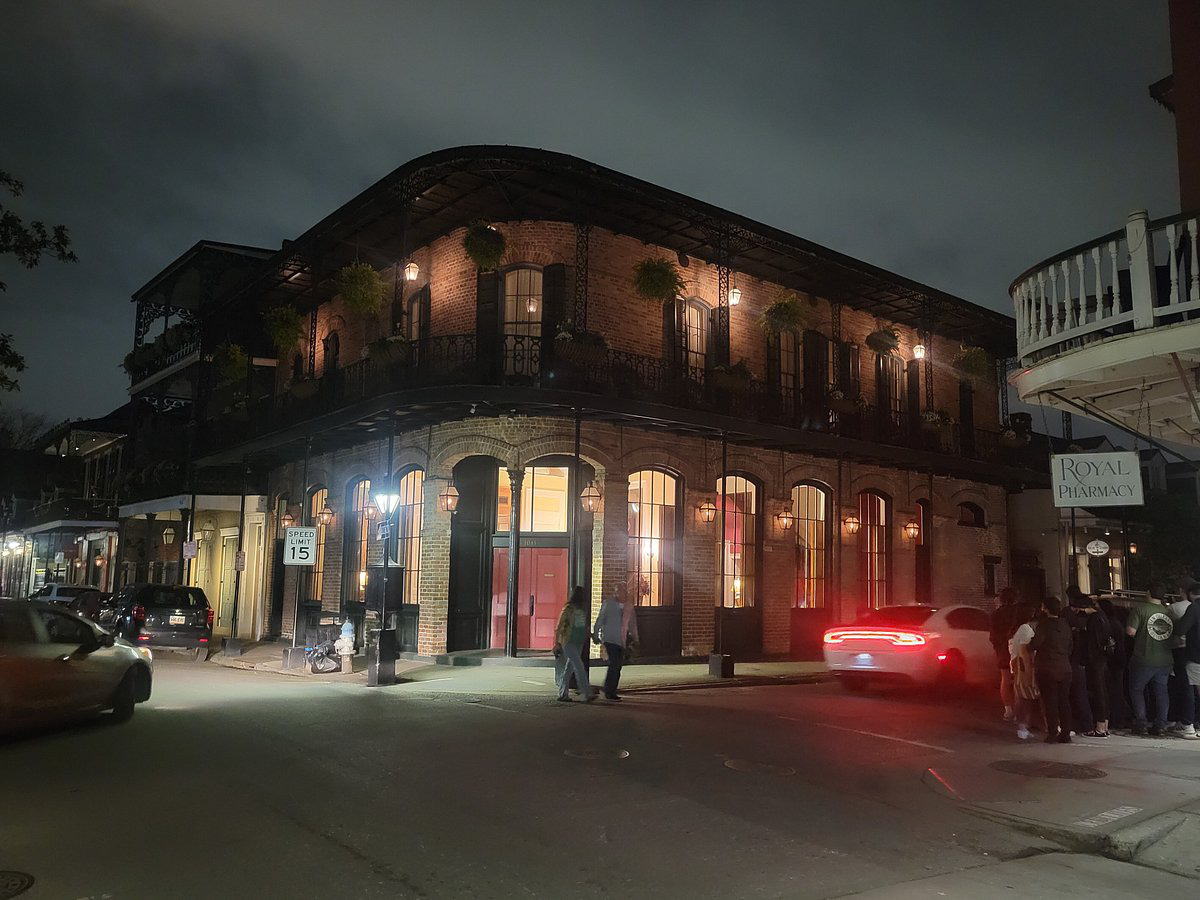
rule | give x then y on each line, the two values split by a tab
954	142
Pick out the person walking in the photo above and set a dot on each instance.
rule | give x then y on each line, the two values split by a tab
1150	625
570	637
1189	626
1005	620
1182	698
1051	646
616	630
1025	693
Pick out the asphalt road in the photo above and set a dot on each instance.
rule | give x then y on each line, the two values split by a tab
238	784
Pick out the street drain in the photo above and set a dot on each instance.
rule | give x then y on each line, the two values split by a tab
13	883
745	765
597	754
1047	769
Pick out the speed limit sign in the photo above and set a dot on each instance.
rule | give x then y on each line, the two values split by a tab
300	547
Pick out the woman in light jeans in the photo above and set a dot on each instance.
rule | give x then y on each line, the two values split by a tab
570	638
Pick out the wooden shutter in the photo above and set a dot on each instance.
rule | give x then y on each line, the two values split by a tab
914	393
774	365
815	368
554	305
487	320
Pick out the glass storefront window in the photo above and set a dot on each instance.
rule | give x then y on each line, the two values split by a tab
873	539
810	506
544	499
740	542
651	537
354	555
406	544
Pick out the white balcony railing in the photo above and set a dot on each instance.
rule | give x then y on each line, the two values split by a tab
1145	275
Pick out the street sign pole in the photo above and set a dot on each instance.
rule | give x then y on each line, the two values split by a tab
303	521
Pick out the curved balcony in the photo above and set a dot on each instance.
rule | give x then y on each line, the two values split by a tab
1111	328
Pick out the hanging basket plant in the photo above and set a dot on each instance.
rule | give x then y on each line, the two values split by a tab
1011	439
843	402
972	362
393	350
360	287
485	245
785	314
657	279
735	379
231	363
583	348
286	327
883	341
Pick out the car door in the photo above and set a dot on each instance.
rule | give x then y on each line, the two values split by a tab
85	675
29	690
970	629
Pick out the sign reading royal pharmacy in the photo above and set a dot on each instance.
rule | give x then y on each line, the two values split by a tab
1096	479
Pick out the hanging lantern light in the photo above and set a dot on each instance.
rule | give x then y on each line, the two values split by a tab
589	499
287	520
371	511
411	271
912	529
708	511
852	524
532	305
919	351
785	519
325	516
448	498
1132	548
735	296
168	535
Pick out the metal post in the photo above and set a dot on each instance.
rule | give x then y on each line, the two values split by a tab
387	519
232	646
516	477
724	494
1072	564
573	514
303	521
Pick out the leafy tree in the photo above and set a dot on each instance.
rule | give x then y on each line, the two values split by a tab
19	428
28	242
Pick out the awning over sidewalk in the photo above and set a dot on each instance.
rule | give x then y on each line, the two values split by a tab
255	503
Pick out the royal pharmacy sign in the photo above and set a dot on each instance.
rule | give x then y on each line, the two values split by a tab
1096	479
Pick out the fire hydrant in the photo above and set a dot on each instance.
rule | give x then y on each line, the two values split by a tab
344	646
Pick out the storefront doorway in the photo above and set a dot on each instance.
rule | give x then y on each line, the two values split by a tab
541	593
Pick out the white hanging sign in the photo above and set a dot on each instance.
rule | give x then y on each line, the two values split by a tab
1097	548
1096	479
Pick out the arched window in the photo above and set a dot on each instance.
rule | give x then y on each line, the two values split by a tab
332	345
876	547
406	537
971	514
354	547
317	498
651	534
522	323
695	333
739	543
544	499
924	549
810	506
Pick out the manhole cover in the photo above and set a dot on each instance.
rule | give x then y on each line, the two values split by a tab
745	765
13	883
597	754
1045	769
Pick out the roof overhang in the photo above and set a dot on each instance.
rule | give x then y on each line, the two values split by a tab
255	503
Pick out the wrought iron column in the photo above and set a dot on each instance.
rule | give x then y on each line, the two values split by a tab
582	233
721	541
312	344
1002	384
516	477
721	343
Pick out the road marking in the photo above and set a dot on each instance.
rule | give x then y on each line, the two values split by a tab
431	680
515	712
886	737
539	683
1109	815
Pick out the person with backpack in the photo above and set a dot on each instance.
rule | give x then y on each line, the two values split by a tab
1005	620
1117	664
1080	609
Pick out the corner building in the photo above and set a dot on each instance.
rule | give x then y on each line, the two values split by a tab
745	506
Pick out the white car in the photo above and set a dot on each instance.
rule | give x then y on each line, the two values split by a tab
913	644
61	593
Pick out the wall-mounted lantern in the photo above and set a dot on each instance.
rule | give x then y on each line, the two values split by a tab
448	498
785	519
168	535
912	529
919	351
287	520
325	516
735	296
708	511
852	524
1132	548
589	499
411	271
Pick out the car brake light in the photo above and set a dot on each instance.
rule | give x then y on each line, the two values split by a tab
941	657
203	640
143	637
894	636
208	618
139	614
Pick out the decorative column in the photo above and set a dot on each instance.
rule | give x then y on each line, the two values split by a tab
579	318
721	344
516	478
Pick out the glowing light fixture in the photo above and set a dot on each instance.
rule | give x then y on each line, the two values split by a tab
919	351
168	535
589	499
78	563
411	271
362	578
1133	548
912	529
287	520
735	296
325	516
371	511
448	498
14	544
785	519
386	502
532	305
708	511
852	524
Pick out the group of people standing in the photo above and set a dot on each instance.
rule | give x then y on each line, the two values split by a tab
1089	665
616	632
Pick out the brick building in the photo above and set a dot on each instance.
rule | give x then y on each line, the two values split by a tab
785	437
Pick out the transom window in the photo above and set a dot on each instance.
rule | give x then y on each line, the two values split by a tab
651	536
873	513
316	573
738	545
406	541
810	506
544	499
695	333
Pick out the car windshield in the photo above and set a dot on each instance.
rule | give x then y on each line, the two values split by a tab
73	591
898	616
172	597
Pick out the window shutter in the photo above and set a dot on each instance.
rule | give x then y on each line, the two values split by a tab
425	301
554	304
672	335
712	350
487	319
914	392
816	367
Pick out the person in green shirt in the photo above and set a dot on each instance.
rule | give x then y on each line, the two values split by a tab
1150	625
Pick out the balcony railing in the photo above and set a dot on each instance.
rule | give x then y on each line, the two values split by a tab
146	374
1145	275
528	361
72	509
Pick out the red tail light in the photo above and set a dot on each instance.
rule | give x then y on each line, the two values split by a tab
208	617
139	614
895	636
143	637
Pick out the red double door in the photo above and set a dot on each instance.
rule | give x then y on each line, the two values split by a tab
541	593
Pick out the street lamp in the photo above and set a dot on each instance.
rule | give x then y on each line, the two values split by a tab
385	503
590	498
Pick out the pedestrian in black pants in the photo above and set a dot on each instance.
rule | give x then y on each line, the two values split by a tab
1118	660
1080	611
1100	645
1051	646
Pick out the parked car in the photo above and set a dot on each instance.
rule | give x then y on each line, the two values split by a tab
56	665
915	644
169	616
60	593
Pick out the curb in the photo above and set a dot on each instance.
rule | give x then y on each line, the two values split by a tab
741	681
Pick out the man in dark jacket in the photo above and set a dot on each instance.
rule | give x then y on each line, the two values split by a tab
1189	626
1080	610
1051	646
1005	621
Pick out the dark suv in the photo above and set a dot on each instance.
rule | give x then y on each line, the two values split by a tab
162	615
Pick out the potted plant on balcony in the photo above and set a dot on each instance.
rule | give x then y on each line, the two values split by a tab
972	363
581	348
139	359
230	363
360	287
843	402
883	341
657	279
286	327
734	379
485	245
392	350
785	314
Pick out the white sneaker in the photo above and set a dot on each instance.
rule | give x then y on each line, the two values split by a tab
1188	731
1178	727
1023	733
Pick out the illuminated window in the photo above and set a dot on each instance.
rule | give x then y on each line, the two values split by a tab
739	545
789	356
522	320
651	536
873	540
695	333
406	543
544	499
810	506
354	553
312	584
889	372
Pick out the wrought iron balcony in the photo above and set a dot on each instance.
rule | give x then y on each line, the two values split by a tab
71	509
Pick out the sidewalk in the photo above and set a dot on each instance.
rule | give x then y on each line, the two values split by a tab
1127	798
420	676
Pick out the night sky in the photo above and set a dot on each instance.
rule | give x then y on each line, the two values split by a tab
954	142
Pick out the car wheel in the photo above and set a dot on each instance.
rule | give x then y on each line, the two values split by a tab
125	698
855	684
953	672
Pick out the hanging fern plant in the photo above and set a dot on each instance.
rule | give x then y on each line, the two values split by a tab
485	245
230	362
360	287
657	279
286	327
883	341
972	362
785	314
